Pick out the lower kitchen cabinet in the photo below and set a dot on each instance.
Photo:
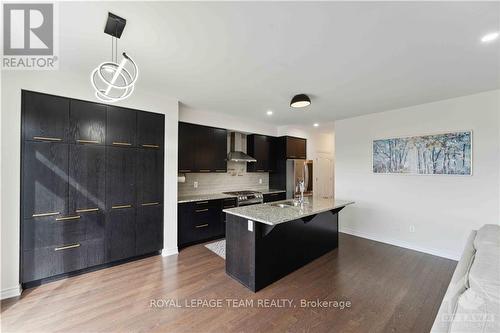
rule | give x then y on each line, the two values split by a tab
271	197
120	234
149	229
199	221
53	260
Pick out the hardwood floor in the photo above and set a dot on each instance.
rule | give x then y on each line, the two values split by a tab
391	289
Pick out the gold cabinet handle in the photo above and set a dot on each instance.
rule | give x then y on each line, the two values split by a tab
44	138
204	170
85	210
121	206
45	214
202	225
68	218
260	170
184	170
201	210
220	170
122	144
65	247
201	202
151	146
87	141
150	204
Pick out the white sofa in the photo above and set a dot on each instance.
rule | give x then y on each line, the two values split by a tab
472	300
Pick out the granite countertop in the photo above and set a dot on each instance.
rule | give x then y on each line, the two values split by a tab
215	196
269	214
271	190
202	197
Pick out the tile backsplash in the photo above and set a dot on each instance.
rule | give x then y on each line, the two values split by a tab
236	179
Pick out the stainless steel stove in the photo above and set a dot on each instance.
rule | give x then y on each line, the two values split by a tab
246	198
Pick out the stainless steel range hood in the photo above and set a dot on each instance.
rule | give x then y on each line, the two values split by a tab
236	153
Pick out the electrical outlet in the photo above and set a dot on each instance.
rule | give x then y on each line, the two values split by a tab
412	228
195	184
260	180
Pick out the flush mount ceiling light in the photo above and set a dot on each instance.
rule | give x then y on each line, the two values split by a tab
490	37
269	113
111	80
315	124
300	101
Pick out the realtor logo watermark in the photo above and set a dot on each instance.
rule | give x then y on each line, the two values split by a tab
29	36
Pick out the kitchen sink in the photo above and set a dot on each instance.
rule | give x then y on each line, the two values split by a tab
286	204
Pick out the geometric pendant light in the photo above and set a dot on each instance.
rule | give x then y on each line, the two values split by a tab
113	81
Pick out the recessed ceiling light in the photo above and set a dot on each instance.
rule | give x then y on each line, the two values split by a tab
269	113
299	101
490	37
315	124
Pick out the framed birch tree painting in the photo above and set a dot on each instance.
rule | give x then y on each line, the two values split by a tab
437	154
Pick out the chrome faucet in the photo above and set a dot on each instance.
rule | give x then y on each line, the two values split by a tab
301	189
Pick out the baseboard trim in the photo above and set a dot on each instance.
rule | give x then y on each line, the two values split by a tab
169	252
396	242
11	292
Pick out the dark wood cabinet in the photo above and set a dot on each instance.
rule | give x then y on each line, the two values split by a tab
87	165
121	127
47	231
92	186
199	221
271	197
149	233
45	262
120	177
202	148
261	148
45	179
120	233
87	122
295	147
149	176
45	117
150	129
219	150
186	142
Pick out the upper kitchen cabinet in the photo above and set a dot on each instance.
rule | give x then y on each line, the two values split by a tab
46	117
186	142
202	148
219	149
295	148
260	148
121	127
150	129
87	122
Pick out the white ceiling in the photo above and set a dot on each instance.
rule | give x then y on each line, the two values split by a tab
245	58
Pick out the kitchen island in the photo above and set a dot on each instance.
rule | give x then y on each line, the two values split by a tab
268	241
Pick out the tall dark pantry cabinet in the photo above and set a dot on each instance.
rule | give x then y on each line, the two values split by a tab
91	186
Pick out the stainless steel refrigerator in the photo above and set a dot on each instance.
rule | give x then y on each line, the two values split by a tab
297	170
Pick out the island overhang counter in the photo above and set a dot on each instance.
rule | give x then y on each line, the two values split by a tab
266	242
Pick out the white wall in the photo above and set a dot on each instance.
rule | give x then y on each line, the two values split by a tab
210	118
443	209
68	85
